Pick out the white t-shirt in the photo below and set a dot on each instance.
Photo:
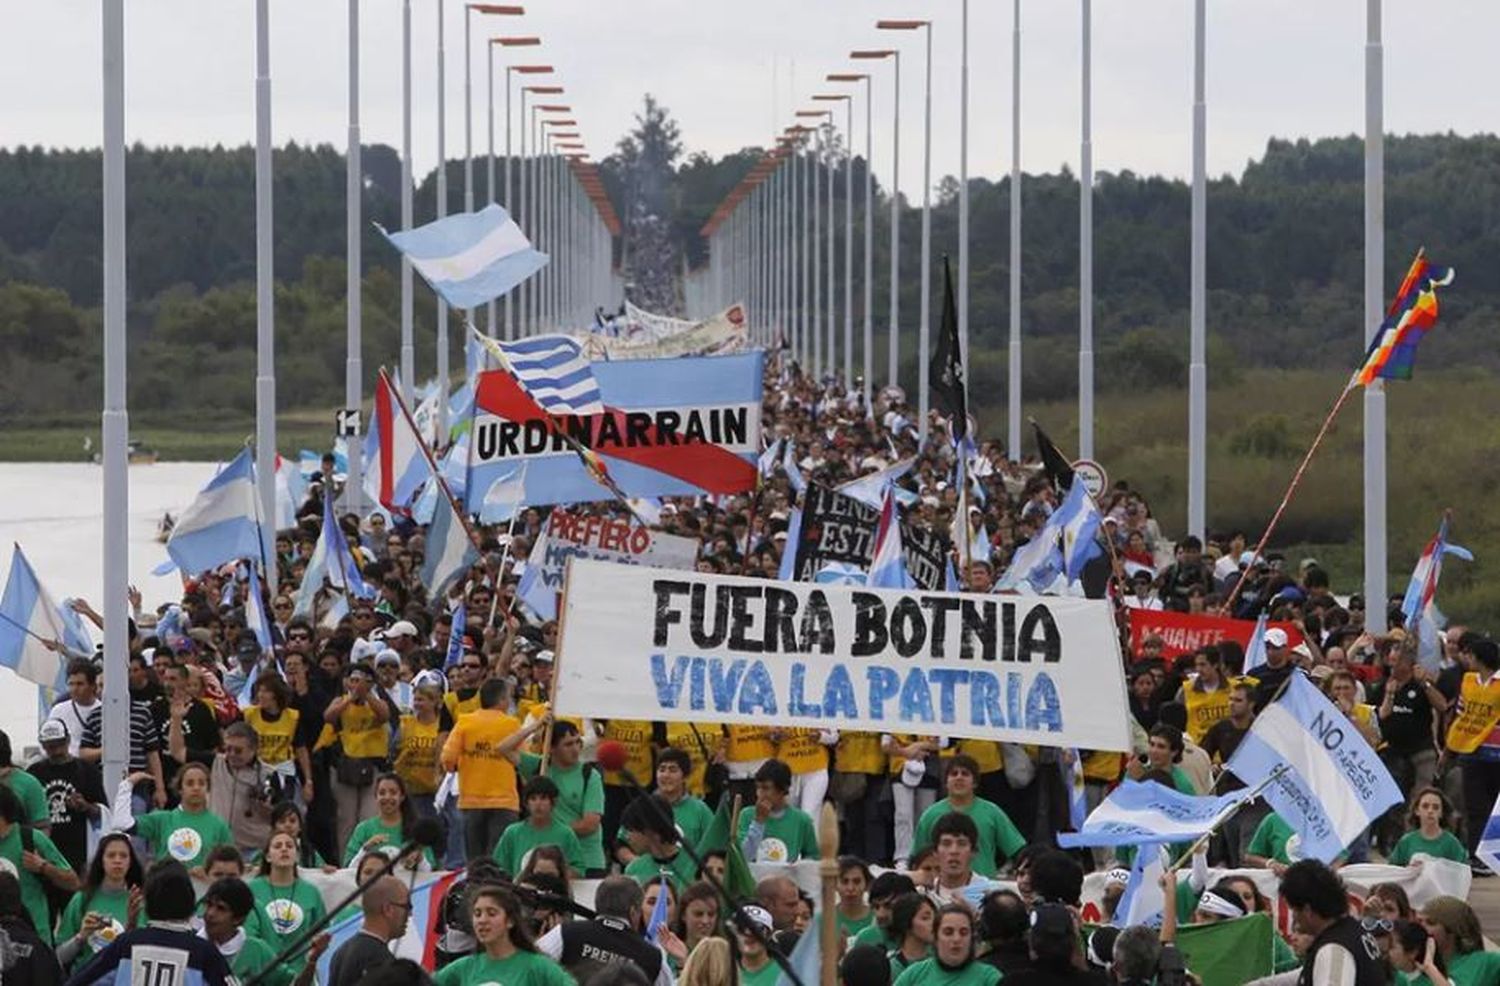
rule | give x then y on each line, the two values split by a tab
73	715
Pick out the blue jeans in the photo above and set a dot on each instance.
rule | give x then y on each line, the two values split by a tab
454	854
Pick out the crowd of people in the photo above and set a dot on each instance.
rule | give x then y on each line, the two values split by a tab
251	772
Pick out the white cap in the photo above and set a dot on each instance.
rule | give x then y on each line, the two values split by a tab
362	649
1276	637
387	656
401	628
759	915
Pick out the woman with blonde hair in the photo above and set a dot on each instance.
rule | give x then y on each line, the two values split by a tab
708	964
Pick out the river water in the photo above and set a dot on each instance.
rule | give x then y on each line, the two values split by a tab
54	511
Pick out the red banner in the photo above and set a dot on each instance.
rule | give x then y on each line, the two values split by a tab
1184	633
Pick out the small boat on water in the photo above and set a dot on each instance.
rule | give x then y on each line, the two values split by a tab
164	528
136	453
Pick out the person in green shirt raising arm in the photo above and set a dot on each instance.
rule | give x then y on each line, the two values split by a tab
98	912
953	963
540	827
996	832
35	859
506	952
186	833
776	832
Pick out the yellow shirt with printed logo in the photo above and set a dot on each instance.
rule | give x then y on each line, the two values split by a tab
635	736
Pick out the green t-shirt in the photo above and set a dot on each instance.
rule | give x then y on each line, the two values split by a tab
692	818
519	839
874	934
580	791
680	868
286	912
33	887
33	796
766	975
995	831
854	927
255	955
900	963
1283	959
929	973
111	903
1445	846
789	836
371	827
1270	838
1479	968
186	836
520	969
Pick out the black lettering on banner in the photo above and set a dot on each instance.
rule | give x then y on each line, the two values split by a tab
742	619
869	625
977	621
1008	631
667	423
940	607
1047	646
609	431
908	628
838	529
698	612
817	625
637	424
666	614
781	607
509	432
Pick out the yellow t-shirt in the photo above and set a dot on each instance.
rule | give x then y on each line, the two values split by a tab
679	735
635	736
362	736
458	707
859	753
275	737
417	755
1102	766
1478	713
895	763
1204	708
486	776
800	750
748	743
986	753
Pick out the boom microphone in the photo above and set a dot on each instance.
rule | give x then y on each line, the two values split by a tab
611	755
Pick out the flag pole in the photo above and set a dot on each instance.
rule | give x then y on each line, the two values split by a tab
1234	809
432	463
557	659
1286	497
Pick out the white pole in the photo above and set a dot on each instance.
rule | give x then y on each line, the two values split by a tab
1013	437
815	250
895	305
408	344
869	353
115	420
468	172
1197	370
924	338
801	256
442	210
265	285
849	242
522	217
510	311
831	365
353	370
963	196
1086	247
1375	479
489	91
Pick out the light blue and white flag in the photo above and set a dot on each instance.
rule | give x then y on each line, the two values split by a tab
504	498
1078	520
255	610
1072	777
1488	849
472	257
1255	650
223	523
869	489
789	464
449	548
658	918
840	573
1036	565
1143	902
888	567
456	637
342	569
806	959
788	569
1334	786
29	616
1145	811
766	464
310	463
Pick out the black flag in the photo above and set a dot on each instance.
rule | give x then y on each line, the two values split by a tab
945	374
1058	468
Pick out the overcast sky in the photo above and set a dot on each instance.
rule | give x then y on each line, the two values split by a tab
733	72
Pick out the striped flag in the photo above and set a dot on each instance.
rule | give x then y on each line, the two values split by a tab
888	567
28	617
223	523
554	371
1419	605
1393	351
472	257
449	548
395	463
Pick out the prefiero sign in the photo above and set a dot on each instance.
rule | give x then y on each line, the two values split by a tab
569	535
644	643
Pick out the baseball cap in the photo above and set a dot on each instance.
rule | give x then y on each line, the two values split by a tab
387	657
759	915
544	657
248	646
401	628
1276	637
363	649
53	731
1051	919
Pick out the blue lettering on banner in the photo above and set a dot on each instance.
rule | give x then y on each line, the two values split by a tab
923	696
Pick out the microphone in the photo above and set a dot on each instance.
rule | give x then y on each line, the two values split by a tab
611	755
426	833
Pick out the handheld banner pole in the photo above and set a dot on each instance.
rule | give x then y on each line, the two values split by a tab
557	659
1254	793
828	878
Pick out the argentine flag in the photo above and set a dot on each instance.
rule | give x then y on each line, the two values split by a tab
29	616
449	549
888	568
472	257
222	524
1078	520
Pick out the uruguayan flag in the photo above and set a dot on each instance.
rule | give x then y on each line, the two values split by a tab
472	257
1145	811
1334	786
222	524
449	549
554	371
29	616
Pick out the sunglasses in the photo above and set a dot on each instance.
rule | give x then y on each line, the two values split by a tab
471	667
1382	926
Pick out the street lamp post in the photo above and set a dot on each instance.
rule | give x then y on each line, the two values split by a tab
469	11
895	302
511	204
925	322
353	188
1086	244
1013	425
848	101
868	347
408	341
489	63
815	244
526	199
265	283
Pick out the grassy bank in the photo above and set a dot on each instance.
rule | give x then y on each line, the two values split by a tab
204	438
1443	441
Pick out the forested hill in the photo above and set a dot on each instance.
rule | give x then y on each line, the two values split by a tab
1284	252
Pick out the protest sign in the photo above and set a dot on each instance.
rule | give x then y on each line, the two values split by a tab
839	529
644	643
1184	633
661	337
568	535
670	427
